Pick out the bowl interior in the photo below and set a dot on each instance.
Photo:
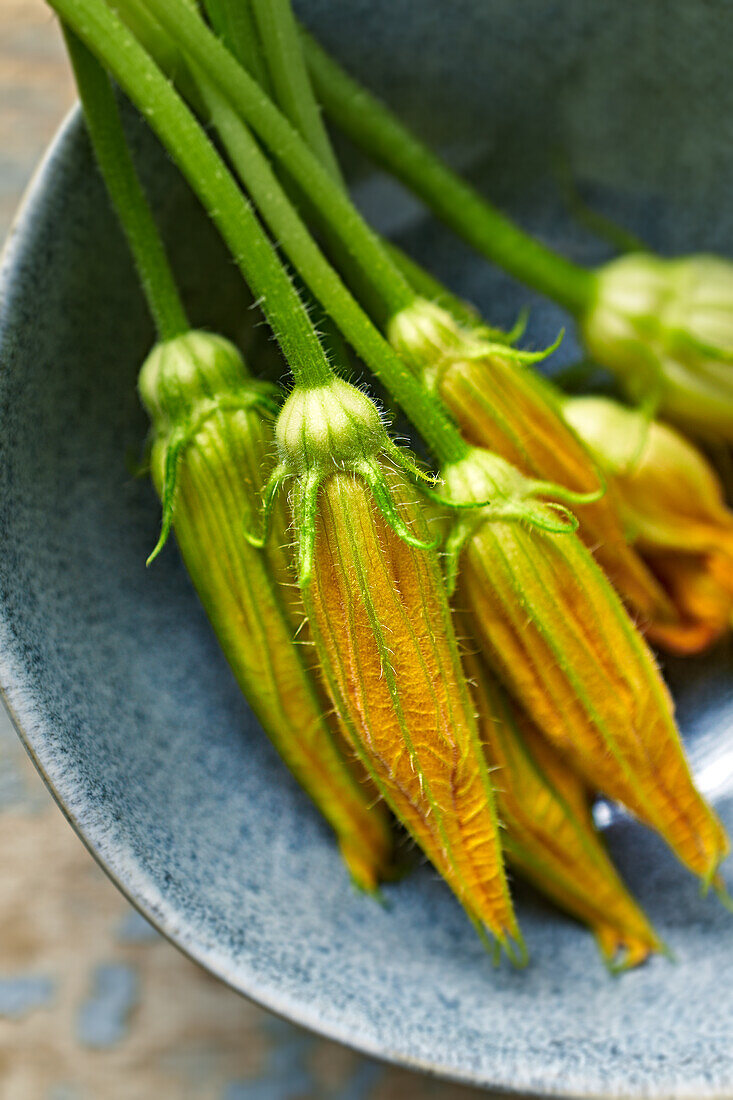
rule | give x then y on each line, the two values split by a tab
116	680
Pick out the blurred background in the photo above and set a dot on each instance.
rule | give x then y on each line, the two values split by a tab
94	1004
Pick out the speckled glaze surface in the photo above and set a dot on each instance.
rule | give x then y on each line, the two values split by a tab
115	679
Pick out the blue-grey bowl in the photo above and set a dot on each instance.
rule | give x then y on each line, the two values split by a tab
112	673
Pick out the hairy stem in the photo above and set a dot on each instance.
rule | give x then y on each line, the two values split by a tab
107	37
284	222
212	58
290	80
373	127
125	191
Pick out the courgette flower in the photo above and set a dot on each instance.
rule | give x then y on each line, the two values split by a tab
379	618
549	834
501	405
213	446
556	633
665	328
673	509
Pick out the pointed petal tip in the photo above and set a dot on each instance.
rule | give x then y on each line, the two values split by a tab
621	953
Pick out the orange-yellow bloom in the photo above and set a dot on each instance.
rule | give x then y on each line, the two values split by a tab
553	628
701	587
549	833
212	449
672	506
502	406
379	617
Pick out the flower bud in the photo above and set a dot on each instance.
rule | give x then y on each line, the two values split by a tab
554	630
505	408
213	445
672	505
665	327
180	374
328	426
380	621
549	834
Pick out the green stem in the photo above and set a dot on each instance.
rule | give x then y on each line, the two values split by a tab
427	286
294	94
106	36
291	83
324	282
128	199
374	128
302	110
213	59
233	21
285	224
276	49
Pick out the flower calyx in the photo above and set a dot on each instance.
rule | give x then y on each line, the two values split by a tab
488	489
324	430
665	327
431	340
183	383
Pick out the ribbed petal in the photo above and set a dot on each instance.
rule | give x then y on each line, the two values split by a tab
220	478
503	408
672	505
700	586
550	836
554	630
382	627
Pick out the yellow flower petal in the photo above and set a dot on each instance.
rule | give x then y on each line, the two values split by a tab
220	476
672	506
382	627
550	837
506	408
552	627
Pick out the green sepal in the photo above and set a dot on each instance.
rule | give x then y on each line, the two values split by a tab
258	538
566	496
552	518
430	339
539	489
477	347
305	509
177	442
457	538
325	430
453	505
376	481
688	342
402	458
505	337
511	498
306	526
253	395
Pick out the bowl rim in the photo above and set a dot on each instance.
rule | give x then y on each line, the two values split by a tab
12	681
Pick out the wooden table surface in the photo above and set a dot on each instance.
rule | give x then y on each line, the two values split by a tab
94	1005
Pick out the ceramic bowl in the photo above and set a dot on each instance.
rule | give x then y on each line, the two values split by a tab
115	680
